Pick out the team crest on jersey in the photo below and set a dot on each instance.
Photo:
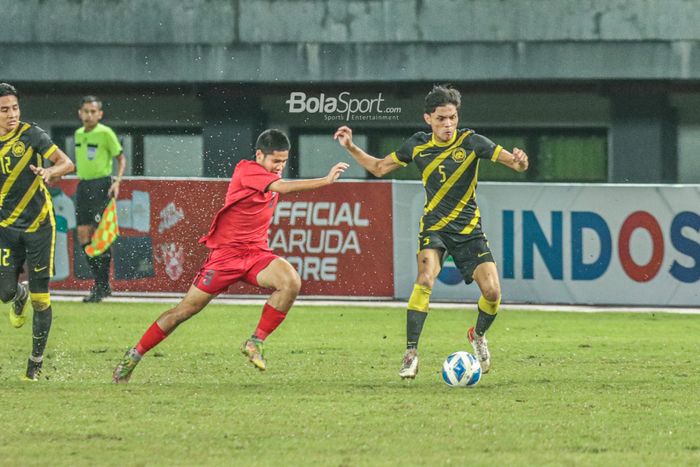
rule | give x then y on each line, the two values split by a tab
458	155
18	149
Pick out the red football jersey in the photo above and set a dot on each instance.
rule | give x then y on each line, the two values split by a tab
247	212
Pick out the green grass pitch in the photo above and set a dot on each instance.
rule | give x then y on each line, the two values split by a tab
565	389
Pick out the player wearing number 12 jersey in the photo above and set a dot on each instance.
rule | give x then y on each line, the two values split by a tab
448	160
28	161
239	251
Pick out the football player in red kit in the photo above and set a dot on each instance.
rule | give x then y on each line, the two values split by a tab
239	251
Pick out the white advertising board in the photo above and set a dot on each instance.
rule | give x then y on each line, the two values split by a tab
578	244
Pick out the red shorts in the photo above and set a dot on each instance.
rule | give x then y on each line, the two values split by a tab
226	266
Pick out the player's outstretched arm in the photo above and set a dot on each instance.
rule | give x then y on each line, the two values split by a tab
517	160
375	166
290	186
62	165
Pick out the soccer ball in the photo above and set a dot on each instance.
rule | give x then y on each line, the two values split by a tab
461	370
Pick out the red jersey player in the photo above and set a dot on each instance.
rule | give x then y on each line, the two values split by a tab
239	251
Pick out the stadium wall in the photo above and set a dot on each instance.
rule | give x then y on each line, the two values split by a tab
220	41
222	70
573	243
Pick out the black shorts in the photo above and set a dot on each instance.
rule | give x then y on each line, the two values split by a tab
467	250
36	248
91	199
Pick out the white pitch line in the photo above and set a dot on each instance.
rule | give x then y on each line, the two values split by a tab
121	297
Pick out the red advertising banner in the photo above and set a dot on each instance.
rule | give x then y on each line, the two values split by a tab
339	238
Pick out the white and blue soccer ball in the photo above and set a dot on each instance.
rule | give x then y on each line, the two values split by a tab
461	370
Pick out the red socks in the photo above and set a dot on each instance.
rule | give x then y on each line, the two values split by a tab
270	319
150	339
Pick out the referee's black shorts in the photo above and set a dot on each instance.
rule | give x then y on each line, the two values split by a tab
91	200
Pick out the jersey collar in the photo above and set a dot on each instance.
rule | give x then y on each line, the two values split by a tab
12	133
447	143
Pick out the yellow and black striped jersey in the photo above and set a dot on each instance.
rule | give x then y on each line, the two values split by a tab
25	203
449	173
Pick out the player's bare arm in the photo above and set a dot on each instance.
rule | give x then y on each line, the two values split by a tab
374	165
62	165
517	160
290	186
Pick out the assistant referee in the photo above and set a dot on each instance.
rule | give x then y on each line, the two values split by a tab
96	146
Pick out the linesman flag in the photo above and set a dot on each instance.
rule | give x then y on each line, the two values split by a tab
107	231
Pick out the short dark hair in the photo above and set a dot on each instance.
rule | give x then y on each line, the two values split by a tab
272	140
90	99
7	89
442	94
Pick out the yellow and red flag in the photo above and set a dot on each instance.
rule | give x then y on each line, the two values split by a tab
107	231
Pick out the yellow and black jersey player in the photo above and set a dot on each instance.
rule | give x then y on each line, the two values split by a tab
27	223
448	161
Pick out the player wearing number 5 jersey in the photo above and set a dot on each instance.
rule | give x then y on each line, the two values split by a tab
239	251
28	160
448	160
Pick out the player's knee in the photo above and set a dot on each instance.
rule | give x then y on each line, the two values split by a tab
426	279
492	294
84	238
40	301
8	291
292	283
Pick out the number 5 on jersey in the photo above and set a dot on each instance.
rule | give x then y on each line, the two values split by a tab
443	175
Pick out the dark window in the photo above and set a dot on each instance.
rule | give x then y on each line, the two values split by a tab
556	155
136	141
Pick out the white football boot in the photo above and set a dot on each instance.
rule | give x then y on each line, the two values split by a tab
409	366
481	349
